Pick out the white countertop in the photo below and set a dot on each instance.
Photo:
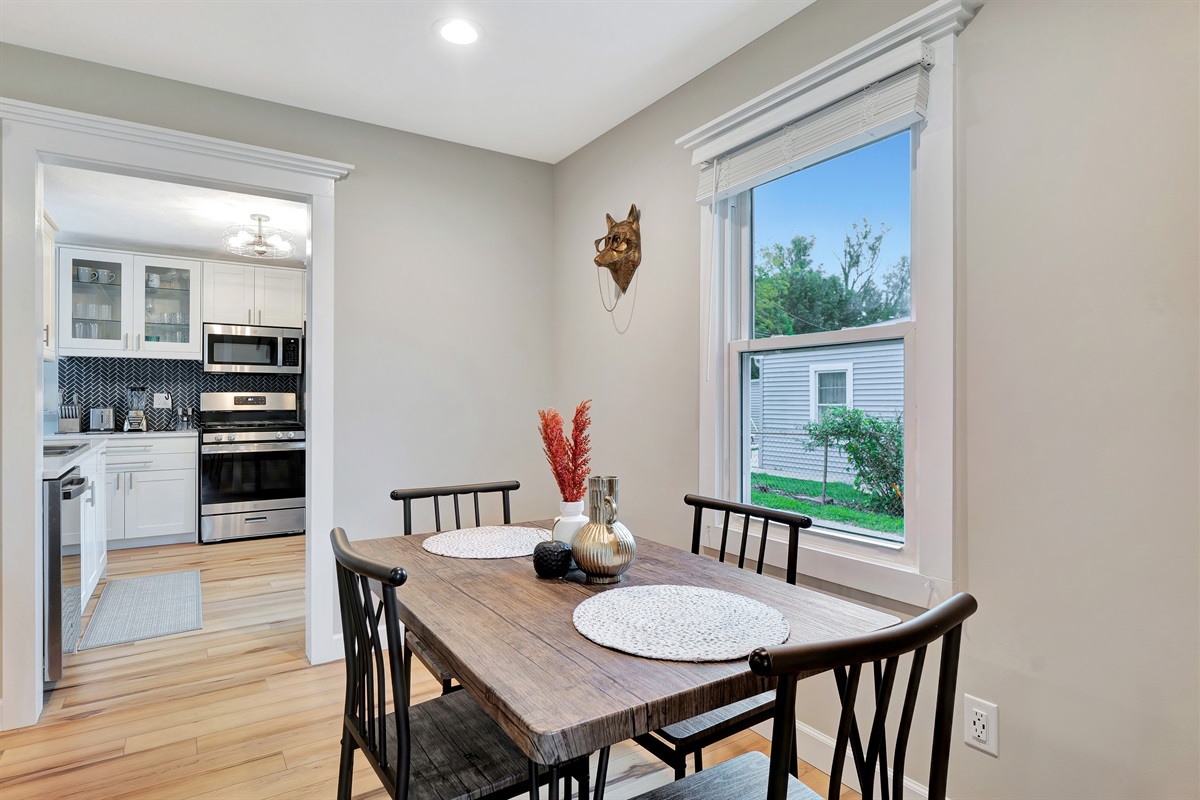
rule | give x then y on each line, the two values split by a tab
58	466
91	435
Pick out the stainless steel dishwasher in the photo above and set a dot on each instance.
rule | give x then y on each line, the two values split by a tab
62	500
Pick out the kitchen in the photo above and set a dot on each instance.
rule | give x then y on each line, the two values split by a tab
172	358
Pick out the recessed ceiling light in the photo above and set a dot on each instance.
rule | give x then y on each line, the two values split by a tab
457	30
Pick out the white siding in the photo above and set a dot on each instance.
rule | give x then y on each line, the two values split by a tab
781	406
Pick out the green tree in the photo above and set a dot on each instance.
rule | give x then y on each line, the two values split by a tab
793	294
875	448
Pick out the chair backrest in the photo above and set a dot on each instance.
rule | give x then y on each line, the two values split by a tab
435	493
791	519
367	683
846	657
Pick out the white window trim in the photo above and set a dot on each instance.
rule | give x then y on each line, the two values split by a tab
814	370
921	571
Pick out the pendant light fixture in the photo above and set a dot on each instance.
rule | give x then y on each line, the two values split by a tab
259	241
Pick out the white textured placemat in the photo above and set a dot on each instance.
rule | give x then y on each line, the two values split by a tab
490	541
680	623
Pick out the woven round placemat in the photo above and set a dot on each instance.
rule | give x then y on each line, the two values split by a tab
490	541
680	623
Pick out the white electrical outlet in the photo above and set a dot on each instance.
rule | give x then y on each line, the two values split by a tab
162	400
981	725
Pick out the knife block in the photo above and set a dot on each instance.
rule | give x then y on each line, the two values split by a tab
68	424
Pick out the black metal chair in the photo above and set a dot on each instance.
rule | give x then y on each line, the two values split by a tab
674	743
435	493
753	775
446	748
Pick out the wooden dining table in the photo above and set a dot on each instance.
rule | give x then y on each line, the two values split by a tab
509	639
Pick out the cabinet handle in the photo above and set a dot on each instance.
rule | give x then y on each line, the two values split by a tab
132	464
92	494
137	338
120	483
130	446
260	316
249	316
46	335
125	341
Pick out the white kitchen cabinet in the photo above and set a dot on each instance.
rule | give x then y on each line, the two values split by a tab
236	294
49	325
93	551
128	306
160	503
153	491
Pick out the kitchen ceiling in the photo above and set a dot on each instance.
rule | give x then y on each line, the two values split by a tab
545	79
126	213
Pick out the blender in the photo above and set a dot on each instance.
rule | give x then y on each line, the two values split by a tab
135	418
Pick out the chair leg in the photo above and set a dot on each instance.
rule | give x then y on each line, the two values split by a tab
553	782
795	758
407	667
699	761
346	768
681	768
533	780
447	685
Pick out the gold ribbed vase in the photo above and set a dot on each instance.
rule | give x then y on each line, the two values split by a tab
603	548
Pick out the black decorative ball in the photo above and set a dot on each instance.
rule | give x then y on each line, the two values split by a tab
552	559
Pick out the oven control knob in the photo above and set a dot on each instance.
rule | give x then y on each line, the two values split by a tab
279	435
218	438
230	438
292	435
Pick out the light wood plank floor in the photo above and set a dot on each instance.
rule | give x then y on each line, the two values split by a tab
233	711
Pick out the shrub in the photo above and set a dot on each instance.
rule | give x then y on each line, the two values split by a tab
875	448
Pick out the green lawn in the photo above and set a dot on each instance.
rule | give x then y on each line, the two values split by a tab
778	487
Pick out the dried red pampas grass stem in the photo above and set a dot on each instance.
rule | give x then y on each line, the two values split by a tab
569	457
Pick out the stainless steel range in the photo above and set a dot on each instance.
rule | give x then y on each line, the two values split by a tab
251	465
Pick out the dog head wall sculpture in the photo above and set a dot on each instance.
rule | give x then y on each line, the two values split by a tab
620	251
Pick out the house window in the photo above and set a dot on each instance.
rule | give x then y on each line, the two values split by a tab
829	251
829	389
827	246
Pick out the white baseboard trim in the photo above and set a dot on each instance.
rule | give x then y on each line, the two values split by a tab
816	748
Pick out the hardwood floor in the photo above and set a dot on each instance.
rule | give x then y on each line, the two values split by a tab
233	711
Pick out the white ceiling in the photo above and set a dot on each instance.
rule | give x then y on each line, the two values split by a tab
127	213
546	78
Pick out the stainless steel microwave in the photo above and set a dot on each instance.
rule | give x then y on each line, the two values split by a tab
246	348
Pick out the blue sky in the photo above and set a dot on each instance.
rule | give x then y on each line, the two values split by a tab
826	198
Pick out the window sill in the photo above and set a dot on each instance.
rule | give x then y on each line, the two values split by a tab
844	560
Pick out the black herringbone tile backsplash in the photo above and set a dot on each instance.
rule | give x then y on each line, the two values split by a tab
102	383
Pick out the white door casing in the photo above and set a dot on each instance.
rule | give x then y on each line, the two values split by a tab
35	135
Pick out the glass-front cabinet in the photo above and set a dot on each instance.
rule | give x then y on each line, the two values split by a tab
123	305
168	316
95	302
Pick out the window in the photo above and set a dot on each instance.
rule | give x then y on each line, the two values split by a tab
827	247
829	390
829	251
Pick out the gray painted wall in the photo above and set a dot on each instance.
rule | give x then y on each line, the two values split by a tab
1078	207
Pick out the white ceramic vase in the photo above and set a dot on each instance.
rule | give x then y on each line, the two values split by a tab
569	520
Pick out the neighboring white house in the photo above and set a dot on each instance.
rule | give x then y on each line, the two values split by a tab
792	388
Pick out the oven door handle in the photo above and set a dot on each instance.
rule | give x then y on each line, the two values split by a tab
250	447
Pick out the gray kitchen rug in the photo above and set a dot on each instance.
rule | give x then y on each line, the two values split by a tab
72	616
144	608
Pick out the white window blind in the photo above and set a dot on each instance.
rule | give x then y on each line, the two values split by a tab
879	110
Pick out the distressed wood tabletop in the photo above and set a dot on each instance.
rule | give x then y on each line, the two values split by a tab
508	637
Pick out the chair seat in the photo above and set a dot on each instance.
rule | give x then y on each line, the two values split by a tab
700	730
458	752
426	657
741	777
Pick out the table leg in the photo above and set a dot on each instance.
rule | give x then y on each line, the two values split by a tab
533	780
601	774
